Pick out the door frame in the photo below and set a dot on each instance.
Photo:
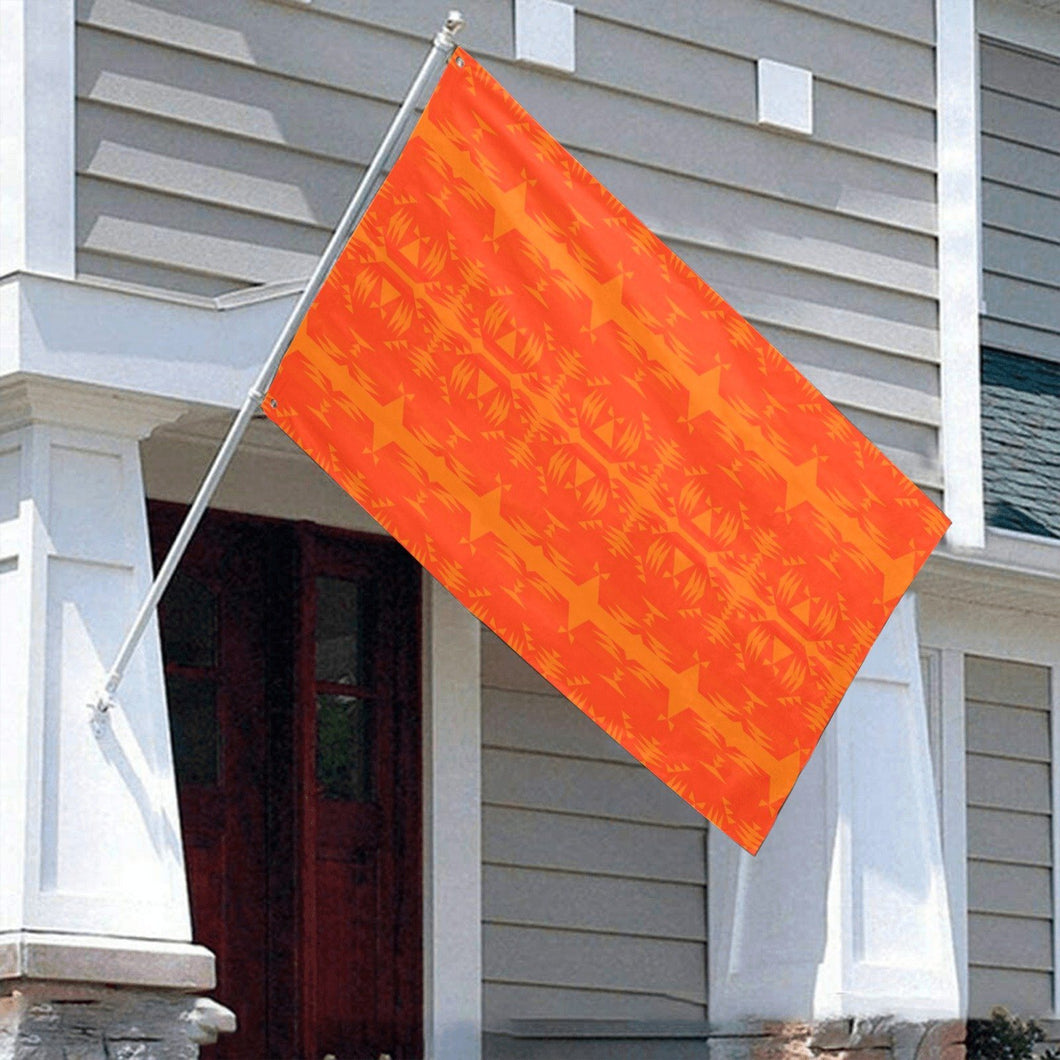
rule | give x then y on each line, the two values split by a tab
303	540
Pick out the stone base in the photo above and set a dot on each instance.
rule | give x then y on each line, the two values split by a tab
881	1038
51	1020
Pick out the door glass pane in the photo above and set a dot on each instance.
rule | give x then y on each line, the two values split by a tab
343	654
345	745
193	728
189	622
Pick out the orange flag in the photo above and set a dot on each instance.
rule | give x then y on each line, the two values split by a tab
599	457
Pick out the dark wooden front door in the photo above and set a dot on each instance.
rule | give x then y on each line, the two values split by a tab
292	663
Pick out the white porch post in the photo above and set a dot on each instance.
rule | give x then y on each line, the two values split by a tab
92	884
959	228
844	911
452	828
37	137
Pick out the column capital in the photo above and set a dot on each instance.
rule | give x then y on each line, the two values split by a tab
32	399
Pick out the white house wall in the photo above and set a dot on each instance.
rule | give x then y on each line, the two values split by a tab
216	147
996	633
1021	183
594	872
1010	859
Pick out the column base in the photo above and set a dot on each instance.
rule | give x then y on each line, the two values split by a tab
105	959
79	997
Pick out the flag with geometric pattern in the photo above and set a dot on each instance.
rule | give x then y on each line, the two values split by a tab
599	457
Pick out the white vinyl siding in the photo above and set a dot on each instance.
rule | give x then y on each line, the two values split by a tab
1009	792
1020	109
594	872
217	143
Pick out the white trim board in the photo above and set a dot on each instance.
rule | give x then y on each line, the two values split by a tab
959	225
452	827
37	229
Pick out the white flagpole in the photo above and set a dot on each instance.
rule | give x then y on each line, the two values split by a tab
441	48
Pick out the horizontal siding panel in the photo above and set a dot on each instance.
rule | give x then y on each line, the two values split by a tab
547	723
679	72
595	789
1003	681
1018	210
875	126
512	1001
999	835
1008	783
732	219
580	959
1020	121
533	898
146	274
1019	338
835	51
884	399
923	471
906	18
860	328
998	730
1020	166
1013	889
520	837
501	667
240	101
201	164
1020	302
1028	993
1010	942
1023	257
892	434
1018	73
143	225
504	1047
819	351
810	287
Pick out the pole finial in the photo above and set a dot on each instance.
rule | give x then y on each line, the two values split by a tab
454	23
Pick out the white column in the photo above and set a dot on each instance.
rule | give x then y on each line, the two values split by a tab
959	225
37	136
92	882
844	911
452	828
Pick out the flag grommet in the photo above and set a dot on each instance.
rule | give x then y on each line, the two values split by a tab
459	61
